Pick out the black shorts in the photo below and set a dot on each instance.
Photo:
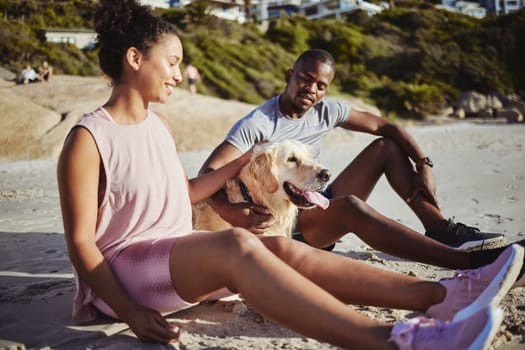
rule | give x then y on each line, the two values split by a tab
298	236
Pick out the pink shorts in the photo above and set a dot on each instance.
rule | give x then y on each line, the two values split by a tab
143	270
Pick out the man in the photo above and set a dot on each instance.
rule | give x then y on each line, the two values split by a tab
301	113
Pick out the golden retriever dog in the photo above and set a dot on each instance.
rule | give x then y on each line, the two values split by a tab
282	177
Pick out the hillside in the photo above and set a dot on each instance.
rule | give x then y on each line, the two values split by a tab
410	62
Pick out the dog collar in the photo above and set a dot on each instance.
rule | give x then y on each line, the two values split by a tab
244	192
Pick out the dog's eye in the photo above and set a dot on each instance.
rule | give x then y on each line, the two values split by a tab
292	159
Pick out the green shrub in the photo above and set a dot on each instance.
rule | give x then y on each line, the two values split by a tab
289	34
407	100
407	60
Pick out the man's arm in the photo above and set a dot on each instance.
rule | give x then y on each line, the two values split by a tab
222	154
248	215
370	123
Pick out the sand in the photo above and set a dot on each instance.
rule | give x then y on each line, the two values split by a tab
480	170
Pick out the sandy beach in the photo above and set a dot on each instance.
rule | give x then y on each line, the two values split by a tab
480	171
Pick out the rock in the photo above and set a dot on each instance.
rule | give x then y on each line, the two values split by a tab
446	111
517	104
6	74
472	102
512	115
486	114
24	125
458	113
494	102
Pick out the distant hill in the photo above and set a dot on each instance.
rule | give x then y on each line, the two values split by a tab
411	61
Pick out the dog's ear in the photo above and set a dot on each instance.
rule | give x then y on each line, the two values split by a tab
264	172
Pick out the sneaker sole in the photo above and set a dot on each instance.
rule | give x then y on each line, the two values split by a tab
520	282
500	285
482	245
484	339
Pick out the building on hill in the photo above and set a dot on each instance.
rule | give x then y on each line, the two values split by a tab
314	9
504	6
228	9
266	9
469	8
274	8
481	9
159	3
81	38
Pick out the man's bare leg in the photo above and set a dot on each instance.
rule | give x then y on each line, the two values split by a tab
383	156
321	228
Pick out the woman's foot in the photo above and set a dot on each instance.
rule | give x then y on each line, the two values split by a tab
471	290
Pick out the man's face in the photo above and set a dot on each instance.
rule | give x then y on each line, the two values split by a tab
307	84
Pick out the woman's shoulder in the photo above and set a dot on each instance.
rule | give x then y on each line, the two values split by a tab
164	120
95	115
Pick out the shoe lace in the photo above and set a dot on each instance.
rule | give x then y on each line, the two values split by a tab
403	333
469	276
462	229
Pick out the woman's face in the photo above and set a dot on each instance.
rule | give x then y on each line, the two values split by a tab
160	71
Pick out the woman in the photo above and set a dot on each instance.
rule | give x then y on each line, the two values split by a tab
126	206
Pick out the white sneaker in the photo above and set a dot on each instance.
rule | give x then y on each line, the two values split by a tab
472	333
471	290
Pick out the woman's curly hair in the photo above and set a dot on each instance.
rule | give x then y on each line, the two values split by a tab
121	24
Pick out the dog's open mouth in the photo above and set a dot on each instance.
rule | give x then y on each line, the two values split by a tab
305	198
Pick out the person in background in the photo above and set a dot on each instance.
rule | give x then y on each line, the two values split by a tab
27	75
126	208
191	73
45	71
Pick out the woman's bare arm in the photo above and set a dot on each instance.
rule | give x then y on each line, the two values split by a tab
78	179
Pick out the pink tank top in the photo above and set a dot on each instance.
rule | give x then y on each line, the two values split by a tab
146	195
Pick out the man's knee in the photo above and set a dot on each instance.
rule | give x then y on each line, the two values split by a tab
354	205
386	144
299	237
389	148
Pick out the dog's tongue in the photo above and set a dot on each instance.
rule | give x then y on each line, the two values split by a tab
317	199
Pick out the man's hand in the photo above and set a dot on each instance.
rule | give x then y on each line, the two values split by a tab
424	183
253	217
149	325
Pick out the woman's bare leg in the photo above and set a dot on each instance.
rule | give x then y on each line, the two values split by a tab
205	262
354	282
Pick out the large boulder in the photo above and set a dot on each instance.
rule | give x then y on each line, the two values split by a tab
473	103
511	114
494	102
23	126
6	74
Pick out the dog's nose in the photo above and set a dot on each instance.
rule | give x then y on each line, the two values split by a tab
324	175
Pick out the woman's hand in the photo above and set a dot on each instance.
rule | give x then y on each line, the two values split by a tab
150	326
245	157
